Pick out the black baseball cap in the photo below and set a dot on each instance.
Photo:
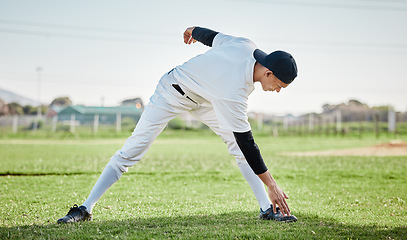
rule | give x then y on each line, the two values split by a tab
281	63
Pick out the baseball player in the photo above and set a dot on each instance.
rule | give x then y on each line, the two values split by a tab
213	87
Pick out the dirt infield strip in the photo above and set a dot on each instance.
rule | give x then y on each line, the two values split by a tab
394	148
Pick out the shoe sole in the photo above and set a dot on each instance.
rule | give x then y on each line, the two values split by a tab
85	220
287	220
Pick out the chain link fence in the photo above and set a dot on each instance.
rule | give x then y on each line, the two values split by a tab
333	123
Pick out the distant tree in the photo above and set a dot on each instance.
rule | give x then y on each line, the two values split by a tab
44	109
29	110
383	108
355	111
3	108
328	108
61	101
356	102
15	108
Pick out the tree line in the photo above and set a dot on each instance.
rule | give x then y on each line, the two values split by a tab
14	108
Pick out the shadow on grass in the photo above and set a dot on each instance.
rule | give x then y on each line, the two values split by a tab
234	225
23	174
67	173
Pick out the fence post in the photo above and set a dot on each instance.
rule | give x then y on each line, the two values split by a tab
320	125
376	121
118	122
338	121
360	129
392	121
275	130
54	123
95	123
72	125
285	124
311	123
15	123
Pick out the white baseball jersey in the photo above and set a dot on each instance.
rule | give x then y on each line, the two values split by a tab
223	76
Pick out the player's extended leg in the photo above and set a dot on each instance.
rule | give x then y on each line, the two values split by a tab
152	122
150	125
164	105
207	116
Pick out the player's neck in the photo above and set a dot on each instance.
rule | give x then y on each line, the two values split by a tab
257	72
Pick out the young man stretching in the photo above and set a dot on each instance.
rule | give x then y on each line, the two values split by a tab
214	88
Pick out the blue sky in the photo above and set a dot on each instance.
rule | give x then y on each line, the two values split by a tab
106	51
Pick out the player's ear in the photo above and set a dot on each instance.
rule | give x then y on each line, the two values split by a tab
268	73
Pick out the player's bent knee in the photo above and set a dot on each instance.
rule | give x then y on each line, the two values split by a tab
116	168
119	163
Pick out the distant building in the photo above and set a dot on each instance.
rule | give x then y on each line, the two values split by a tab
54	110
107	115
3	108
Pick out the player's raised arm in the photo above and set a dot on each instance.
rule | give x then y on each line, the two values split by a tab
203	35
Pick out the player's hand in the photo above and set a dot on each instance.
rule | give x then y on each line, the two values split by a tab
278	197
188	36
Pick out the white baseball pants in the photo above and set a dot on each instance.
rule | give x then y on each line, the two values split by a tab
165	104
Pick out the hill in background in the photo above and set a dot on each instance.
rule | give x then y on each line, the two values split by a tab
10	97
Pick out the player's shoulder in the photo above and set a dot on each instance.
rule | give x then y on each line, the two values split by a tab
222	38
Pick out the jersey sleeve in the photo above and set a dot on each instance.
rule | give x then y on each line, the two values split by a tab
204	35
231	115
221	39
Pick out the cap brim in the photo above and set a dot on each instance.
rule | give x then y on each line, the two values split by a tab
260	56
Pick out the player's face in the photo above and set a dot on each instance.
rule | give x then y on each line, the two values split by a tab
271	83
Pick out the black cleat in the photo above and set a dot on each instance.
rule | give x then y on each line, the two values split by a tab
270	215
76	214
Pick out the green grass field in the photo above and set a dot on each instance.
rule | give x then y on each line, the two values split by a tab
187	186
